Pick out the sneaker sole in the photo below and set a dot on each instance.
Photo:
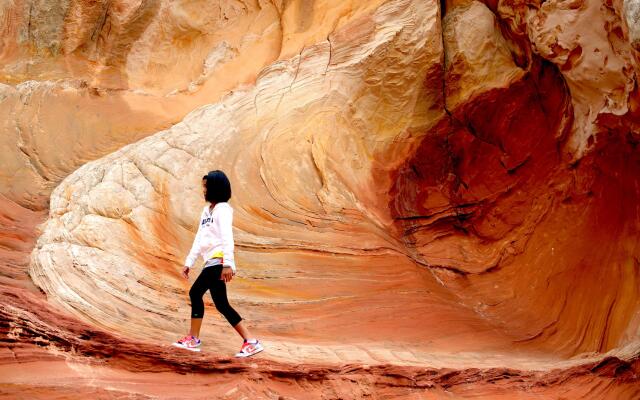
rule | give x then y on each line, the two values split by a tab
196	349
242	355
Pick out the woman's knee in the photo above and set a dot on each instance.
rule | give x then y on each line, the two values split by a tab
222	305
229	313
196	293
197	312
197	306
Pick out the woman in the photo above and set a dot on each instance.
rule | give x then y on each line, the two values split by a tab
214	243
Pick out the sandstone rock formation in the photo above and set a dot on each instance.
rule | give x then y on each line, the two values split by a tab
631	12
80	79
303	176
429	197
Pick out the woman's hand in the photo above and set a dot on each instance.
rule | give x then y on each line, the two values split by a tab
185	272
227	274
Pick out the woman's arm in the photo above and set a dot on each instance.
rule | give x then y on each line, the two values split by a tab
193	254
225	221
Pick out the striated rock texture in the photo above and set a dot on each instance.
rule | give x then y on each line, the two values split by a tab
430	197
80	79
309	193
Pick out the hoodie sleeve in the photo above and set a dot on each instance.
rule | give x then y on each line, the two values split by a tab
225	221
193	254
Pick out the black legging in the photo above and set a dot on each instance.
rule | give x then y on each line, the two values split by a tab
209	279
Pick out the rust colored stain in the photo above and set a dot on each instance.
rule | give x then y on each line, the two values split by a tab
158	250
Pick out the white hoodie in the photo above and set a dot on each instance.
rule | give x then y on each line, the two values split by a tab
214	240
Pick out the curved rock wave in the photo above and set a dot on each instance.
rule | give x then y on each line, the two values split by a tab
444	200
349	169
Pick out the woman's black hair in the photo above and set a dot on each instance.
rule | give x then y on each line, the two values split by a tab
218	187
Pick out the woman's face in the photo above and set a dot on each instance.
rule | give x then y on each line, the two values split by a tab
204	187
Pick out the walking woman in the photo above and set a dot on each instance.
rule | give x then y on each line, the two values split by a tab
214	243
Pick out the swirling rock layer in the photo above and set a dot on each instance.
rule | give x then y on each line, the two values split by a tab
426	200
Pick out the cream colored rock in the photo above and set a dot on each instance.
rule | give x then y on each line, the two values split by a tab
585	39
632	19
477	56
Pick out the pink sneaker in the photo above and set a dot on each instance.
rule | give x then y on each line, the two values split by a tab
250	348
188	342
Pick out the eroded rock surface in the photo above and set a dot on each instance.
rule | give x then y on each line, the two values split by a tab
449	196
80	79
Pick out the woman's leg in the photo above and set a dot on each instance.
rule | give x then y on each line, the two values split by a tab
196	323
243	331
199	288
218	290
